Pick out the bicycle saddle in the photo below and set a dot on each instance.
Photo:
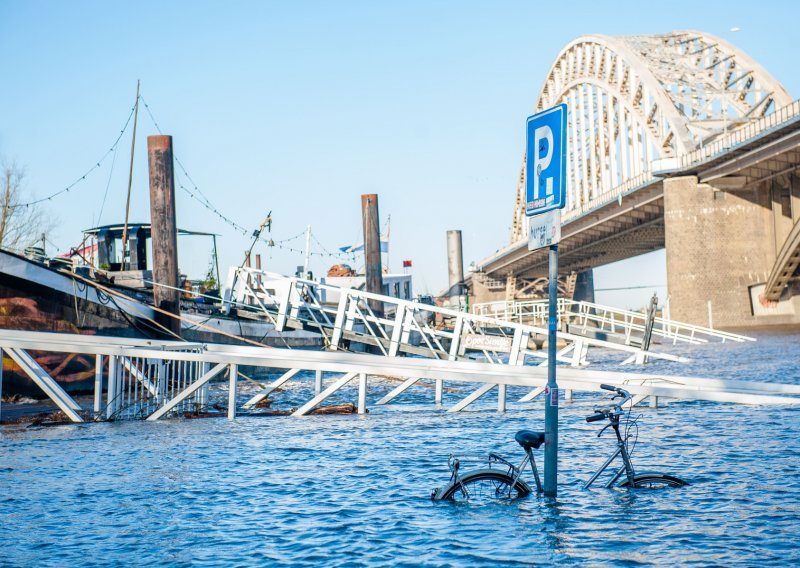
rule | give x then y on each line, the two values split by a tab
529	439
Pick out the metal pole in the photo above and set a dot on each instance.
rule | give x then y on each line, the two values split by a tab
362	393
98	383
455	268
130	180
308	252
234	375
216	262
551	399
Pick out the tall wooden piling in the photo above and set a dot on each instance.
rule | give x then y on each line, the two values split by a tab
164	231
372	249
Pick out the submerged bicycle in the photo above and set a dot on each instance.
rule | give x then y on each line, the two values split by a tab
613	414
493	483
500	480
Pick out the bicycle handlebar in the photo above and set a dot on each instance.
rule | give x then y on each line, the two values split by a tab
618	390
601	414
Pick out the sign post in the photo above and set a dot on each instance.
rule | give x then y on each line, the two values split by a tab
545	181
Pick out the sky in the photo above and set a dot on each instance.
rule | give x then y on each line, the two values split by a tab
298	108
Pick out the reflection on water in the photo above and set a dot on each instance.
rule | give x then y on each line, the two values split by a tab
349	490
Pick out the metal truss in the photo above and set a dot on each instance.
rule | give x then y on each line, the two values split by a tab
636	99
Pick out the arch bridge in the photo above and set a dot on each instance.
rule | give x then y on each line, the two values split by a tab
678	141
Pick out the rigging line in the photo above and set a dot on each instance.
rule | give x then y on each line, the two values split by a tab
83	177
339	255
312	253
272	241
108	184
205	201
211	208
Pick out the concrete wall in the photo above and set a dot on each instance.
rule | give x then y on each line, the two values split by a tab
719	244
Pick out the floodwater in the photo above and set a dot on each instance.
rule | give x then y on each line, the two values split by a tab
354	490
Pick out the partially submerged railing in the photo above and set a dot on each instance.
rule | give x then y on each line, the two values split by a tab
405	326
172	378
628	324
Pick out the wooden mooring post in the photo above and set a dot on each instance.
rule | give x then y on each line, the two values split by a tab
372	250
164	231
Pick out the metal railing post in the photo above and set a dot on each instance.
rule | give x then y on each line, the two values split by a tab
362	393
111	391
98	383
234	375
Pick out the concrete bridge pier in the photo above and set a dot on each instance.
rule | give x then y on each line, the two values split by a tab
720	243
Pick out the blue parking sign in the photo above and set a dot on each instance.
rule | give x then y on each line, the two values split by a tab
546	167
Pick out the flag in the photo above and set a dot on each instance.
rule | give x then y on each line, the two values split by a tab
360	247
406	264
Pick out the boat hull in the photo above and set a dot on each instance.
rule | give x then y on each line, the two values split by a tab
34	297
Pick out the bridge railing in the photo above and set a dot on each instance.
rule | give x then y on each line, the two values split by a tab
189	371
345	317
627	323
641	180
736	137
739	136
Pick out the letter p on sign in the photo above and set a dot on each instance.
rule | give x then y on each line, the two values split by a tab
546	166
543	144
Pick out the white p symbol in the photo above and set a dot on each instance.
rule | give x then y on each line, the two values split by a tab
540	163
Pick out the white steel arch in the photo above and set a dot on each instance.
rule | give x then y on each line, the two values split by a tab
636	99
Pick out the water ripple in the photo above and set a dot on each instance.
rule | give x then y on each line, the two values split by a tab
353	491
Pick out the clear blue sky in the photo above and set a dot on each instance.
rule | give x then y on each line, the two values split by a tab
300	107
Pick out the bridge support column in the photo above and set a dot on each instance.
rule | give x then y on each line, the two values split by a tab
584	287
718	245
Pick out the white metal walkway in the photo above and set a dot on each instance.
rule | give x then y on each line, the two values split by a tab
628	324
405	326
148	379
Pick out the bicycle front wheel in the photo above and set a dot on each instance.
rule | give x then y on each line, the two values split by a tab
654	481
484	486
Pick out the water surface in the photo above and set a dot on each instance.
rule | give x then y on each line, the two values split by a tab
354	490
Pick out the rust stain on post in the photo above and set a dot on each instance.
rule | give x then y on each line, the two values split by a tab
164	232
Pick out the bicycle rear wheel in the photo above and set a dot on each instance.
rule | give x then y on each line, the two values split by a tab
484	486
654	481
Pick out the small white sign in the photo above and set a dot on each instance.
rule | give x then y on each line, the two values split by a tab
544	229
487	342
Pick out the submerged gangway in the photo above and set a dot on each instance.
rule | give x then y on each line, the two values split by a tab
585	316
346	319
149	379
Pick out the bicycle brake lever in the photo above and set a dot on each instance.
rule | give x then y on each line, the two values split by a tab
603	430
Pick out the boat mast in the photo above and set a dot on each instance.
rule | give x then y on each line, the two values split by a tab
308	251
130	179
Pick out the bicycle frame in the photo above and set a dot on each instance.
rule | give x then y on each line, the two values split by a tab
520	468
627	465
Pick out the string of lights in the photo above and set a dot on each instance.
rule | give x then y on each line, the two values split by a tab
96	166
194	192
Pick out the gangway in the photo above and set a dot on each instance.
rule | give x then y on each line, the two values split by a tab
404	326
585	317
150	379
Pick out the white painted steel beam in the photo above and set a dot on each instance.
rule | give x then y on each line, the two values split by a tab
45	382
471	398
288	375
314	402
402	387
